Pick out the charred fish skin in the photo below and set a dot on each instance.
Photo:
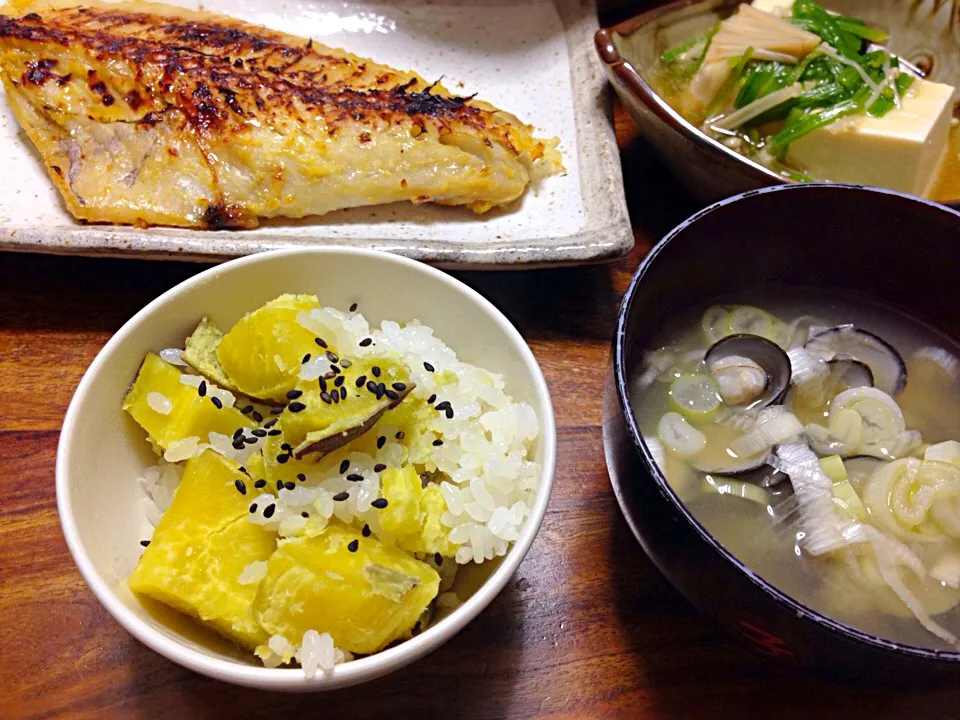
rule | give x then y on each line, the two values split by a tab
157	115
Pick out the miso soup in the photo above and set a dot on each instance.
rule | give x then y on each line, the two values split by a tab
815	435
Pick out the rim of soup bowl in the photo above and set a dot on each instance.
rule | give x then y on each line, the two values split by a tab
355	671
621	384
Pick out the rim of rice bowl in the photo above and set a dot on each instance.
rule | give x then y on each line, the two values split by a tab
354	671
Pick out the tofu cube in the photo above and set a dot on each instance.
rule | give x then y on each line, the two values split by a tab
900	150
780	8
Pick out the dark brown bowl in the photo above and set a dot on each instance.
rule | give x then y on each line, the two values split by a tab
790	235
925	32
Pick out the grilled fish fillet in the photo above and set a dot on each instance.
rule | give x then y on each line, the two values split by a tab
154	114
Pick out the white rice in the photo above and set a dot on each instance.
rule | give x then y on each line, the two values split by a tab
158	483
253	572
489	483
159	402
172	356
492	484
316	652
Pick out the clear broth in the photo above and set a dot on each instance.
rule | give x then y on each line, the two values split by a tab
749	530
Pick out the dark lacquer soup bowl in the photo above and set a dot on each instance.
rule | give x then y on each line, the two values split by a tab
892	248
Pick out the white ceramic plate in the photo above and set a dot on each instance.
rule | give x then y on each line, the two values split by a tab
102	451
531	57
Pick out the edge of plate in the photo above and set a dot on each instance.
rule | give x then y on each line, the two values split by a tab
606	234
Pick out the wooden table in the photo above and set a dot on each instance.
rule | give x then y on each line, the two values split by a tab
587	628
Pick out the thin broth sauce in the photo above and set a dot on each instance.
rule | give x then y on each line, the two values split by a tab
756	535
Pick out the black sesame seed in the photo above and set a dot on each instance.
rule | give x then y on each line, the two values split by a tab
239	445
325	396
246	410
335	370
259	432
379	467
306	359
353	308
294	394
279	484
323	384
335	396
341	496
361	380
399	435
238	433
216	403
241	488
443	405
332	356
283	458
301	477
379	503
202	388
329	375
274	432
289	485
375	370
438	442
259	418
354	477
381	441
250	440
296	406
270	423
305	514
320	342
260	483
431	399
449	413
428	367
353	545
366	531
145	543
366	342
344	466
339	381
343	393
399	386
391	394
286	446
253	507
269	510
346	363
381	388
438	559
372	386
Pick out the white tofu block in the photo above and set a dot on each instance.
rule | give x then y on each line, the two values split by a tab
901	150
780	8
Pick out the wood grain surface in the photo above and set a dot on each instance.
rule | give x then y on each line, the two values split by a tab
587	628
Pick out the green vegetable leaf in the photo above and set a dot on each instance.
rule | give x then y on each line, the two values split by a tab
823	95
677	50
759	79
795	175
733	79
813	18
805	123
858	27
885	103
